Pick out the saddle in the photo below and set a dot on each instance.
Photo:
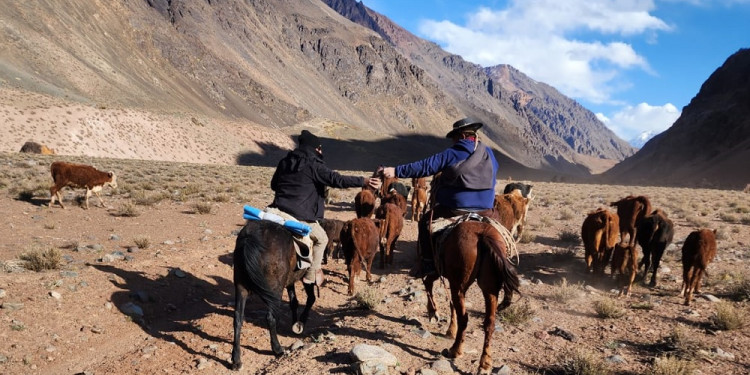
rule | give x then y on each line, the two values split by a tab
441	227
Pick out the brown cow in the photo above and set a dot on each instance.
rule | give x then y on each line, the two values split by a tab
599	233
418	201
359	242
391	225
511	208
79	175
631	210
698	251
625	266
364	203
333	228
396	199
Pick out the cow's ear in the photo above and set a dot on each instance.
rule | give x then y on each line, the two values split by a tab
109	174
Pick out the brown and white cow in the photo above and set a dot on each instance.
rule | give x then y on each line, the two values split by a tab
599	233
631	210
512	208
625	267
698	251
80	176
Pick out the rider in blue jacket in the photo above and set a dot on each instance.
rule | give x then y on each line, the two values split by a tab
466	183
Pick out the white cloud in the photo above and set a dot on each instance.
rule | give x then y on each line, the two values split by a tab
631	121
529	34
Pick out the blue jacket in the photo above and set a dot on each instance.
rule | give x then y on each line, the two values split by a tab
450	196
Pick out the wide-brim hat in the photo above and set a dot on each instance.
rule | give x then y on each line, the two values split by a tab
464	124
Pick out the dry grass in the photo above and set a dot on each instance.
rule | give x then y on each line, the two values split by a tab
142	242
202	208
580	362
565	292
41	260
517	313
607	308
368	298
728	317
672	366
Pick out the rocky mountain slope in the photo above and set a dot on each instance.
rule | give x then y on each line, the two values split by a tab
530	121
709	145
186	74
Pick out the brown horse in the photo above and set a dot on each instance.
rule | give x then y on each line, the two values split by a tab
265	264
473	250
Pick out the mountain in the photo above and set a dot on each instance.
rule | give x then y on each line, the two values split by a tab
230	81
642	138
531	121
708	145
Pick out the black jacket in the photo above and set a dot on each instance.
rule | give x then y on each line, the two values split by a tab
300	180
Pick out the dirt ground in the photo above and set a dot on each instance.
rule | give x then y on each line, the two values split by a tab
84	318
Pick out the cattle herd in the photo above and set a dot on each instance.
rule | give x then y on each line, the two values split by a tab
617	236
609	238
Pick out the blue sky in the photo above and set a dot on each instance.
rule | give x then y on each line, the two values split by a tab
634	63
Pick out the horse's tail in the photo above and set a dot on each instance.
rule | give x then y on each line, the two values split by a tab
508	274
252	248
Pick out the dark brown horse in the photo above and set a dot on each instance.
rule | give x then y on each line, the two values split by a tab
473	250
265	264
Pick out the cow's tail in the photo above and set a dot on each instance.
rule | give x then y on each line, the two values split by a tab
248	253
508	275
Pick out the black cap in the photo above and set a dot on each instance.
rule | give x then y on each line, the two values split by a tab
308	139
466	124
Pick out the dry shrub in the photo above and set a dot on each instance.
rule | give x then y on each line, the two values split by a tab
202	208
565	292
682	343
142	242
607	308
728	317
740	291
517	313
565	215
569	235
368	298
527	237
672	366
128	209
580	362
40	260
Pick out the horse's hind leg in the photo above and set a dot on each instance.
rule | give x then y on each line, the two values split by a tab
429	281
240	296
462	316
490	302
275	346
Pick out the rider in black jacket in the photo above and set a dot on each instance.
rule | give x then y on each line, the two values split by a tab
299	184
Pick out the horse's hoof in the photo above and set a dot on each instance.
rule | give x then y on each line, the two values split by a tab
447	353
483	371
298	327
236	366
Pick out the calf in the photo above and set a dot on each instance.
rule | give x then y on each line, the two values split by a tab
625	266
391	225
333	228
418	201
359	242
364	203
655	233
525	189
599	233
698	251
631	210
511	208
79	175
